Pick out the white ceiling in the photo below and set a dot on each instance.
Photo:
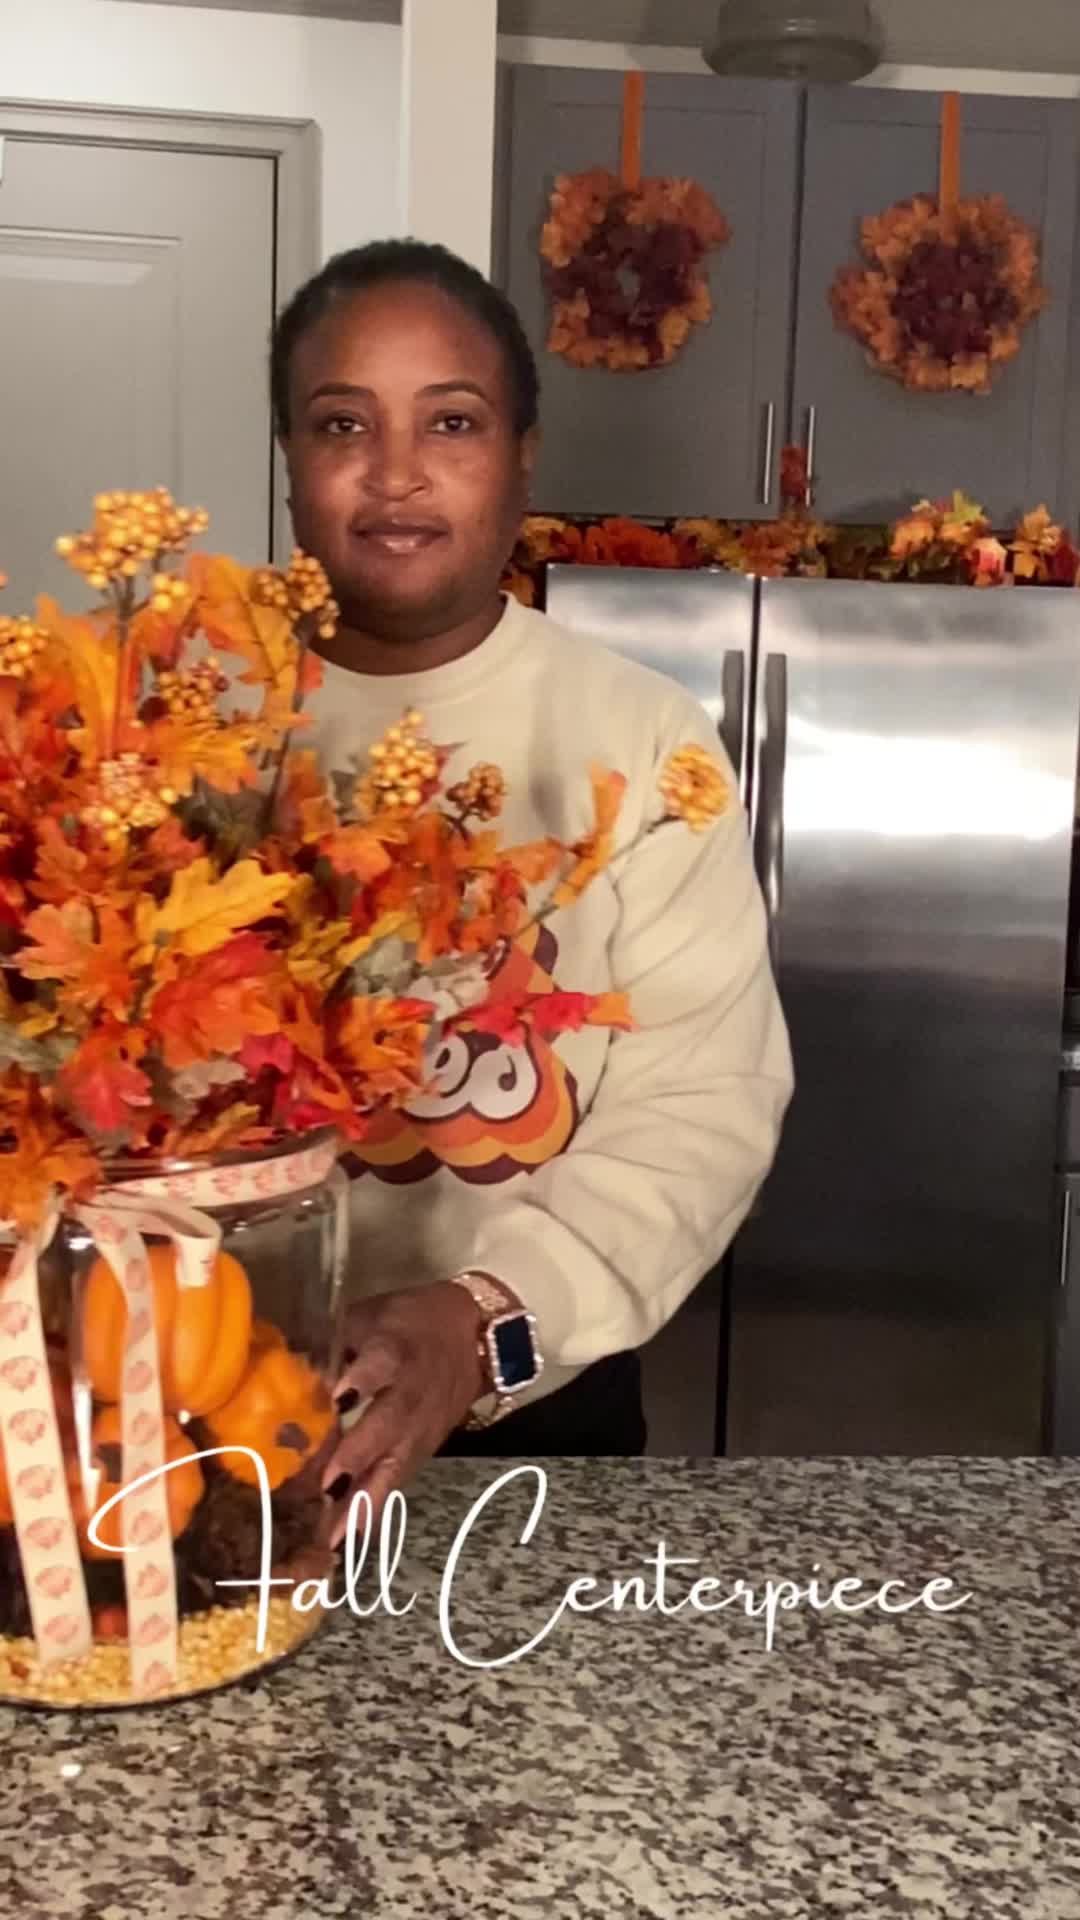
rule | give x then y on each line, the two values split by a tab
1034	36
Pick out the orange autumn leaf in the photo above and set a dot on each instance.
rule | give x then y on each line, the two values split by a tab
222	755
87	648
356	852
533	863
87	951
61	869
216	1004
384	1040
235	623
43	1157
611	1010
202	911
304	804
594	852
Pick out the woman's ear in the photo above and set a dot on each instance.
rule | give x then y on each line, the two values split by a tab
530	450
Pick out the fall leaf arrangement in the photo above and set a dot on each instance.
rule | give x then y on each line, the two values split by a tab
941	299
206	942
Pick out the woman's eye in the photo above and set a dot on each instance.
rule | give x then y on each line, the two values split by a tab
454	424
342	423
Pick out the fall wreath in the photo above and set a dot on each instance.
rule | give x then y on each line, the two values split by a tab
948	286
624	259
942	309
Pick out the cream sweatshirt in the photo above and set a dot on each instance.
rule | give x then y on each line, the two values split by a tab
601	1177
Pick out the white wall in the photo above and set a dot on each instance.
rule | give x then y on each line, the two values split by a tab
345	75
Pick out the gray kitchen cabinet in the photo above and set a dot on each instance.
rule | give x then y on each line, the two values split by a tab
877	447
693	437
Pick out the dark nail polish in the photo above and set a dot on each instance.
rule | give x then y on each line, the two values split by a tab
346	1401
338	1488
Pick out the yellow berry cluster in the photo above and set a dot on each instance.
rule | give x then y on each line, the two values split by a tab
128	798
694	788
302	589
21	643
168	594
192	692
130	531
481	794
404	770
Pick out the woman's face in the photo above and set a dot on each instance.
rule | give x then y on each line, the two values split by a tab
408	480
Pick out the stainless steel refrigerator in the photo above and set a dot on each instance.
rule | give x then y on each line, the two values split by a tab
908	760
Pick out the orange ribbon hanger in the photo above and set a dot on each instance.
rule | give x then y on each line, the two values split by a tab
949	186
633	114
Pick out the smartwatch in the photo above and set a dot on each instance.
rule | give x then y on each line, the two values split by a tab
510	1357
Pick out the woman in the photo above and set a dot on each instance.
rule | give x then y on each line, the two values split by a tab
590	1187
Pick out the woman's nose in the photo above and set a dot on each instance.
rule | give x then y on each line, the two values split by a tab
397	469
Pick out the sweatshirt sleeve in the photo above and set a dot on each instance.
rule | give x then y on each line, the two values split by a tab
607	1240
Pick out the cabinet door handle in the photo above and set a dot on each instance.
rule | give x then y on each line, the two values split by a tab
770	449
811	452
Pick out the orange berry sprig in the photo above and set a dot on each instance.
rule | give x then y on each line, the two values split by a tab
404	770
694	788
131	531
481	794
303	590
128	797
191	693
21	645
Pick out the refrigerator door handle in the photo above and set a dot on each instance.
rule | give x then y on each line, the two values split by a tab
1066	1239
732	727
769	825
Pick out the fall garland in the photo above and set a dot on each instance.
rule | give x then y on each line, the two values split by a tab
946	542
624	259
948	286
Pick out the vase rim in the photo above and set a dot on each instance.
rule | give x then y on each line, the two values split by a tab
121	1171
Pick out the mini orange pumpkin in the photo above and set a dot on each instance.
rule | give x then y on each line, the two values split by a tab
281	1408
60	1380
204	1333
183	1486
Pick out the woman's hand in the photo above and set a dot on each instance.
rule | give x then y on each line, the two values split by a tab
415	1356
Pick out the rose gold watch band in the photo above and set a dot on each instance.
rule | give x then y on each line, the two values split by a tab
492	1299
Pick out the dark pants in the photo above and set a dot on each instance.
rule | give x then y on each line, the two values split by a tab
600	1413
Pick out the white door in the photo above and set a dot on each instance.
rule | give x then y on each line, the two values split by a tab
136	300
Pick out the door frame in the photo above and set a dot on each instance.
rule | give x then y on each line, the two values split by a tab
293	146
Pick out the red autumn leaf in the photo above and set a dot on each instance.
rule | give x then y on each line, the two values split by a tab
273	1050
217	1001
102	1087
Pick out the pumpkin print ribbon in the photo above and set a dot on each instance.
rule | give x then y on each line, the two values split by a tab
171	1207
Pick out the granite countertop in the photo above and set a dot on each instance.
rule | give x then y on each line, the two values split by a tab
632	1765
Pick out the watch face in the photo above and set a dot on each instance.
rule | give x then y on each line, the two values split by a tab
516	1356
